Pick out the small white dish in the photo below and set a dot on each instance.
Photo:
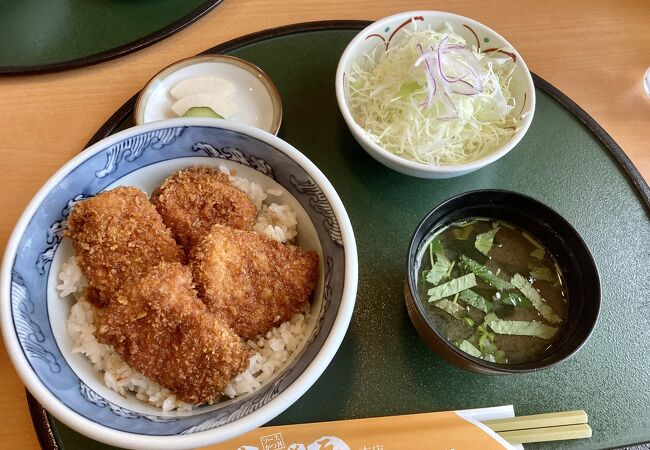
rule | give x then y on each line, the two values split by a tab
256	97
381	33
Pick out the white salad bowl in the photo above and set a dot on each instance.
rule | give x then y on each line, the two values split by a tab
385	31
33	316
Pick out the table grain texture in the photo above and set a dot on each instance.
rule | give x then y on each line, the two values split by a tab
596	52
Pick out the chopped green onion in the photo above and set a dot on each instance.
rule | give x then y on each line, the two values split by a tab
482	329
452	287
484	273
538	302
500	357
468	321
486	344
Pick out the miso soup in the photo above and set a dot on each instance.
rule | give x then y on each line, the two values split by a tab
492	290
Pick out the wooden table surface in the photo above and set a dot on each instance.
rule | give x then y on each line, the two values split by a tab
596	52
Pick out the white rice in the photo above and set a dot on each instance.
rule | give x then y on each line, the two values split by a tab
277	221
269	353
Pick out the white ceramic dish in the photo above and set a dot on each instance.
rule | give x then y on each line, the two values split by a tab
381	33
33	317
256	97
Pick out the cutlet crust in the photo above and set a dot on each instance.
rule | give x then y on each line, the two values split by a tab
192	200
252	282
162	329
118	235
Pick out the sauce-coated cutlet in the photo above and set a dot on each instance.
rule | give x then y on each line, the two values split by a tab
118	235
192	200
160	328
252	282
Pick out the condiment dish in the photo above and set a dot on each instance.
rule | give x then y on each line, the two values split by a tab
255	97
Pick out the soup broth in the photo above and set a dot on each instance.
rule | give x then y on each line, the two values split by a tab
492	290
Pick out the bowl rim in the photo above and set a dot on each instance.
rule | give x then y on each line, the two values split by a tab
488	367
240	426
360	132
271	88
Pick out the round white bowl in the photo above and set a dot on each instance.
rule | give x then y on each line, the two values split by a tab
256	96
474	33
33	316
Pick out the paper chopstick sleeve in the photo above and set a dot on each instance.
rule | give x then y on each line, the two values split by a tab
440	430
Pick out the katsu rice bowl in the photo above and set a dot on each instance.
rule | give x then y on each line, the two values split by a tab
178	284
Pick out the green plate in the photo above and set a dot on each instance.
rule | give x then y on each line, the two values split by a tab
51	35
383	368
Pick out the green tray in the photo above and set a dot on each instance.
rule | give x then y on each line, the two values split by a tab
50	35
383	368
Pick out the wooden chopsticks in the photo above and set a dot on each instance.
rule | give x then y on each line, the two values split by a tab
542	427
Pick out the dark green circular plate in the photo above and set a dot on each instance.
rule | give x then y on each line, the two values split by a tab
566	160
46	36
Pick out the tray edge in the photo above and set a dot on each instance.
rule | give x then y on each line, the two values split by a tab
107	55
46	433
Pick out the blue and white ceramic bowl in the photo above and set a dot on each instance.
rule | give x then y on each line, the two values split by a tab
34	317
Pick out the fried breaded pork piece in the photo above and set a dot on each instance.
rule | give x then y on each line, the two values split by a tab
163	330
252	282
118	235
192	200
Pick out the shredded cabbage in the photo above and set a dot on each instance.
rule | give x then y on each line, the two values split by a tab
387	93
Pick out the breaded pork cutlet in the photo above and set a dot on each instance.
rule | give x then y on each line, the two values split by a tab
118	235
162	329
252	282
192	200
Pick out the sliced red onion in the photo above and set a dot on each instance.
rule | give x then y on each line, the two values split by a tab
431	82
464	88
439	54
450	47
436	77
424	56
472	64
446	100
